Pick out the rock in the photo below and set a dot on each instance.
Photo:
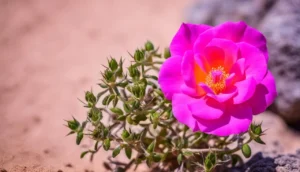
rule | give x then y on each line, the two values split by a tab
216	11
279	138
264	163
281	26
279	20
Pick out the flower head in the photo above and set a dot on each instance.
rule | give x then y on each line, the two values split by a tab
217	77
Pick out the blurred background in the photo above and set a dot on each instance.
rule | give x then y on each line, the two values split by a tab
51	51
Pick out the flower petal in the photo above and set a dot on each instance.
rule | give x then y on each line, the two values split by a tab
206	108
185	38
245	90
238	69
188	69
181	111
170	79
255	63
236	32
235	120
229	48
264	95
224	96
215	56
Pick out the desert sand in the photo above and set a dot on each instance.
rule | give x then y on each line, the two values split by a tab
51	51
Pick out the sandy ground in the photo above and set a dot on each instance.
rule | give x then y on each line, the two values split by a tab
51	51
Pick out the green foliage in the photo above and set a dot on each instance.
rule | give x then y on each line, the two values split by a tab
131	113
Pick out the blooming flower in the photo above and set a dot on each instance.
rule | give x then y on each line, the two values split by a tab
217	77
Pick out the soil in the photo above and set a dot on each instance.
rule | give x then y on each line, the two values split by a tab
50	53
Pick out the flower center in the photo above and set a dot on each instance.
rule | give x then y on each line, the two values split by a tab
216	79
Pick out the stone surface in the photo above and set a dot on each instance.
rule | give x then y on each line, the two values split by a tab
261	162
281	26
279	20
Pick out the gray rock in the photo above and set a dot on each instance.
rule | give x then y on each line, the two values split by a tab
261	162
279	20
217	11
281	26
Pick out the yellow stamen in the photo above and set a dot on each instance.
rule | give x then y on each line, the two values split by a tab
216	79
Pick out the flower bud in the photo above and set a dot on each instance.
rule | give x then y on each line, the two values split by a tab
149	46
109	76
134	72
138	55
74	124
90	97
167	53
113	64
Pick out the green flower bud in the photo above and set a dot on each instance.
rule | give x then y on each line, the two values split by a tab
109	76
134	72
74	124
149	46
167	53
90	97
138	55
113	64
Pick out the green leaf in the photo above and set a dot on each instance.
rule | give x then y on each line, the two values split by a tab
210	161
84	153
156	157
151	147
246	150
126	108
125	134
121	118
128	152
71	132
258	140
117	111
103	85
106	144
188	154
179	158
96	146
152	77
79	138
235	159
149	162
104	101
116	151
115	101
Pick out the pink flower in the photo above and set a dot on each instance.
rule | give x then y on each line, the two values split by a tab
217	77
